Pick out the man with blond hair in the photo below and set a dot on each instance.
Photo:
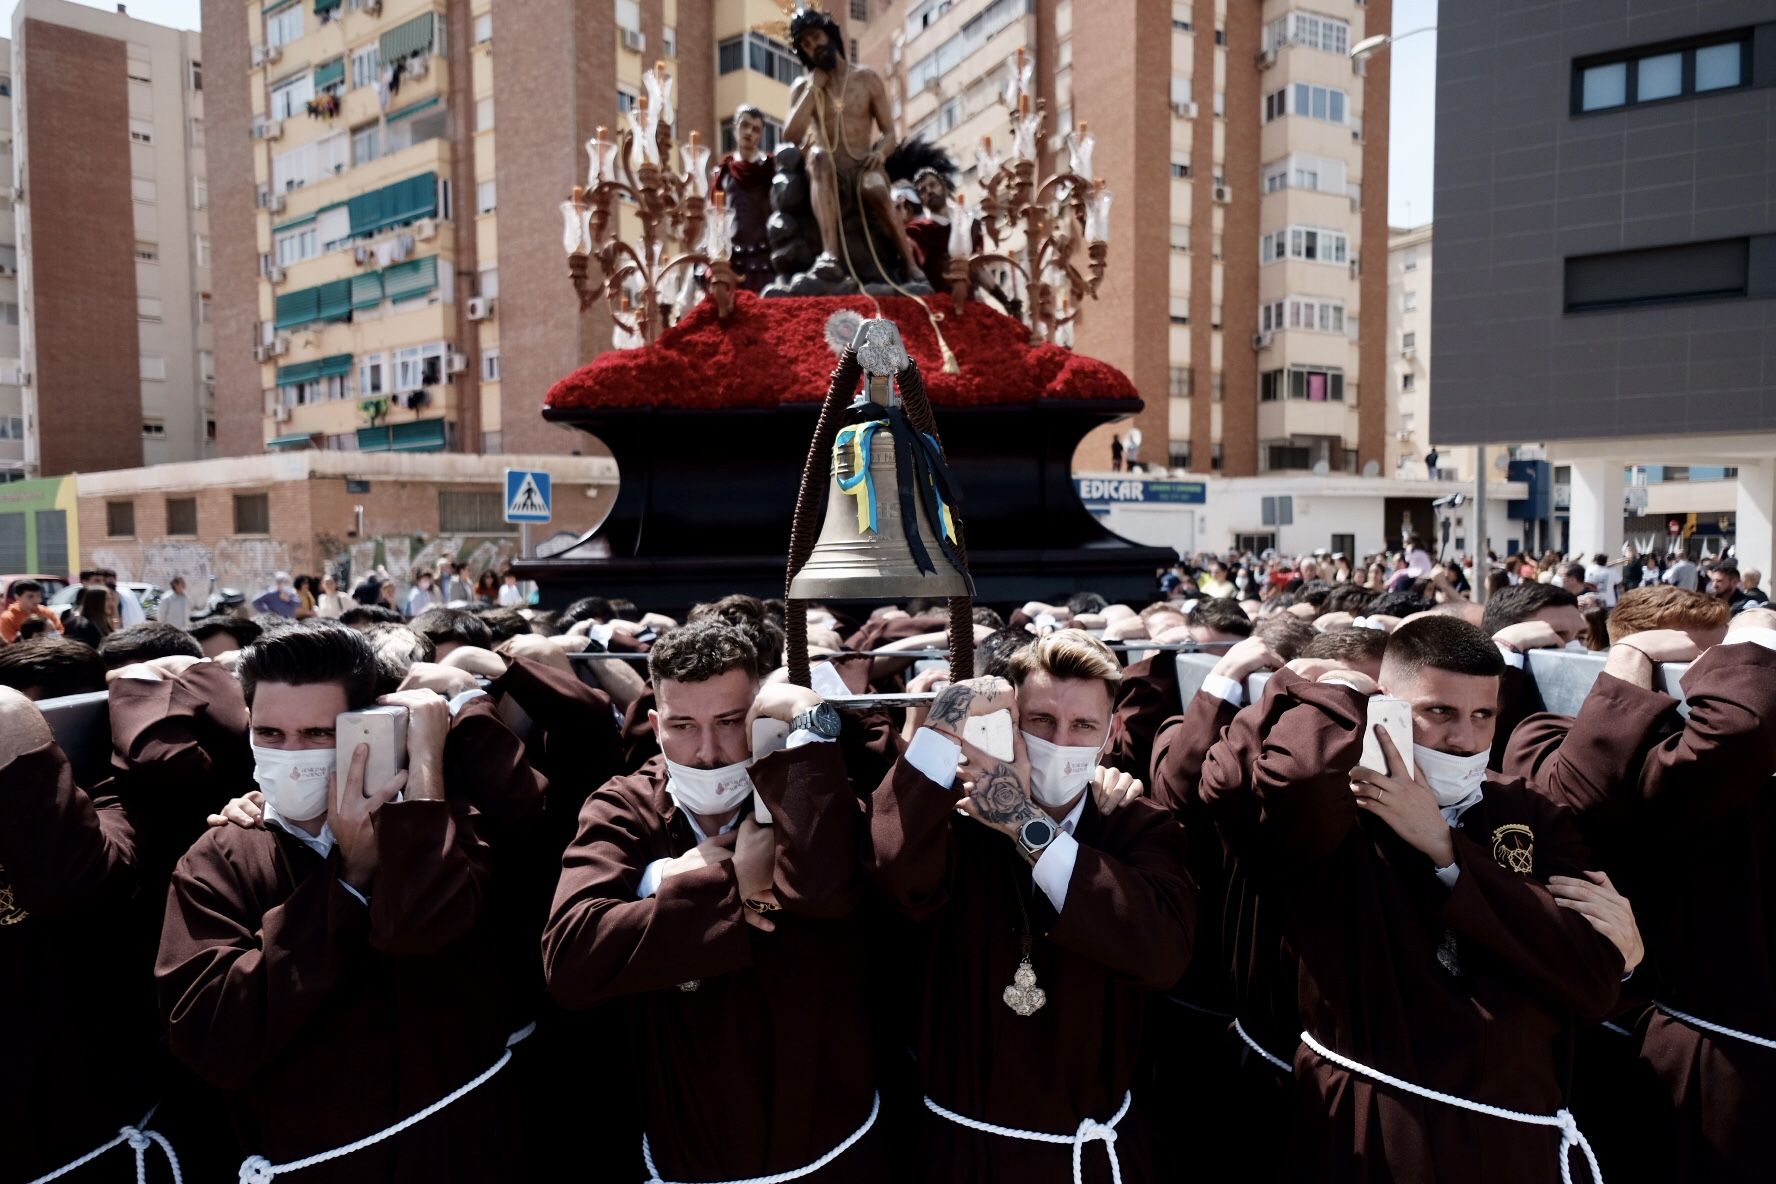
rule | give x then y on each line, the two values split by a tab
1047	922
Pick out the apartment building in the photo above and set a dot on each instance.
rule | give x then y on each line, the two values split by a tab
108	196
1248	154
372	296
1411	435
12	395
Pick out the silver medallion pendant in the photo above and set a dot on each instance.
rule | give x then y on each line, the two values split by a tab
1023	995
1449	954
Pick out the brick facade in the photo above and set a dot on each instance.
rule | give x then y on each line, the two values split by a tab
233	233
82	236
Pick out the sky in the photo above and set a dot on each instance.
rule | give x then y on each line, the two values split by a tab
1413	108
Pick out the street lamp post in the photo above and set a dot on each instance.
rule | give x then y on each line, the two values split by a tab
1370	45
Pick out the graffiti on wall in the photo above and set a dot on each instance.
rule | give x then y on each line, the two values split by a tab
248	565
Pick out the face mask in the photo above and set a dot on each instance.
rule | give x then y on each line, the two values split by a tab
1244	581
709	791
1057	772
294	781
1577	646
1454	779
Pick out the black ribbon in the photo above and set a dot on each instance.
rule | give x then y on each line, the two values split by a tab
920	472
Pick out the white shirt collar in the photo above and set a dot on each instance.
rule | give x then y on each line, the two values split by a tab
697	827
1071	821
321	844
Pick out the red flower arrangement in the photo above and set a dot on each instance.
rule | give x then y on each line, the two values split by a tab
774	351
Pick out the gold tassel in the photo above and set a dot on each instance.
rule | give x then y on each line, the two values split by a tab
950	364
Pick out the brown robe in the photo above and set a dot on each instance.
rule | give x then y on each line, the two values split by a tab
1471	990
1687	819
77	1000
1146	700
754	1047
1126	930
326	1019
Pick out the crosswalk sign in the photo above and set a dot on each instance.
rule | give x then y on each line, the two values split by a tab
527	495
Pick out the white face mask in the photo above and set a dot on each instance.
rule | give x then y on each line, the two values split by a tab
1057	772
709	791
1577	645
1454	779
294	780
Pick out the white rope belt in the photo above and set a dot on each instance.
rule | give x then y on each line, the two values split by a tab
1090	1130
139	1139
1717	1029
1277	1062
259	1170
647	1154
1570	1135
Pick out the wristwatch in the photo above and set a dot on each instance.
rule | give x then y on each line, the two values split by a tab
822	719
1036	835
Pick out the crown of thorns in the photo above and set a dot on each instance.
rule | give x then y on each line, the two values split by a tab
798	17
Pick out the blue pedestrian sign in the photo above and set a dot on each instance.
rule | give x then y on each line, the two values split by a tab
527	495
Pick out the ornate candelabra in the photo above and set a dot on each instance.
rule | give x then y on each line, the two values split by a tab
1033	228
648	283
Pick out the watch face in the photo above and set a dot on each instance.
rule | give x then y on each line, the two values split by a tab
1038	833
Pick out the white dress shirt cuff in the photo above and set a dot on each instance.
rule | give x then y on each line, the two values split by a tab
1226	689
1513	658
1763	637
935	755
602	633
650	878
461	700
1366	623
1447	876
803	736
1054	870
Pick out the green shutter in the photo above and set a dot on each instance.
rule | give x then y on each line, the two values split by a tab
329	73
414	36
415	109
425	435
298	308
374	439
333	366
366	290
302	440
335	301
277	6
325	6
412	279
293	224
404	201
299	372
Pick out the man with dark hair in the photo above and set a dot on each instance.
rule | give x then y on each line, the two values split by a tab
51	667
398	649
1045	923
929	229
370	614
321	949
1572	578
1219	619
448	628
1286	634
732	943
1679	809
1521	618
27	605
1400	605
1723	584
744	179
992	656
1422	908
1350	598
587	608
221	635
505	623
1081	603
146	642
1354	649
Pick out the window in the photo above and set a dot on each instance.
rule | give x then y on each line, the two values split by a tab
484	197
120	517
1270	317
147	253
9	312
1280	511
1317	102
1409	301
1178	454
194	77
1180	382
144	190
484	28
153	369
12	427
1215	316
366	144
1305	242
1180	310
252	513
372	376
154	429
141	131
148	308
627	100
1181	92
290	98
1181	25
484	115
1409	261
283	27
296	246
418	367
1180	237
200	194
1660	275
860	10
1181	168
629	16
1408	381
669	40
761	55
181	516
1313	384
1310	31
1220	36
490	365
1409	340
201	248
416	129
487	284
1670	71
1276	105
366	64
1220	105
472	511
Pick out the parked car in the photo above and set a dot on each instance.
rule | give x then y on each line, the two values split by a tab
52	586
148	594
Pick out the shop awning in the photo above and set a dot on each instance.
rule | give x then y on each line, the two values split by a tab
410	37
410	280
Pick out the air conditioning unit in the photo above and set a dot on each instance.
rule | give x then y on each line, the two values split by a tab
373	8
1223	194
269	200
459	363
1261	340
262	353
480	308
280	415
280	347
1404	435
634	40
1267	59
257	55
275	274
1408	351
1184	110
1356	266
425	229
1356	205
270	129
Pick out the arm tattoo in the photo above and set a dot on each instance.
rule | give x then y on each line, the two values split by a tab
1000	795
951	707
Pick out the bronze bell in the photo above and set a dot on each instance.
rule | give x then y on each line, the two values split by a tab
851	561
